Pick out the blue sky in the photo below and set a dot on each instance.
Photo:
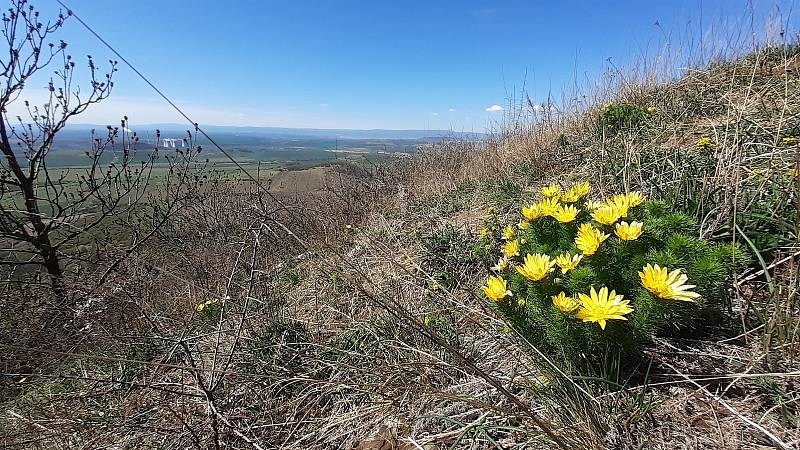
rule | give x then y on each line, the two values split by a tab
372	64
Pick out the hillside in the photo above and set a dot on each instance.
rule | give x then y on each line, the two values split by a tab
351	314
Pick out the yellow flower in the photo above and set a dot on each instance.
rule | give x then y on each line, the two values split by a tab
670	286
602	306
564	303
496	288
523	224
589	239
617	207
484	232
535	267
794	173
581	189
551	191
502	264
635	199
623	202
628	231
704	143
652	109
202	306
576	192
568	262
592	205
548	206
790	140
570	196
511	248
607	214
491	210
565	214
532	212
427	320
509	233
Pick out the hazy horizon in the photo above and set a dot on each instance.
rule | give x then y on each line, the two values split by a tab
87	125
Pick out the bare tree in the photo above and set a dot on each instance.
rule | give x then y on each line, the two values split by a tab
51	217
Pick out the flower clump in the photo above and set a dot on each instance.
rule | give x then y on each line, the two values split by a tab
584	275
616	116
209	308
704	143
789	141
207	304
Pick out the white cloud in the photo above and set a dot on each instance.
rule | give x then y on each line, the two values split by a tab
435	114
451	110
494	108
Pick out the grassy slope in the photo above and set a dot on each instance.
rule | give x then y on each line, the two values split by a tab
747	107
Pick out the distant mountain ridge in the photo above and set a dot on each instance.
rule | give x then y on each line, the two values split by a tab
325	133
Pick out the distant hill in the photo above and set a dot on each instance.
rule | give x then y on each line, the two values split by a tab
326	133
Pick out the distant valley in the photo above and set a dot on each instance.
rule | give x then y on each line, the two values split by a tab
300	147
